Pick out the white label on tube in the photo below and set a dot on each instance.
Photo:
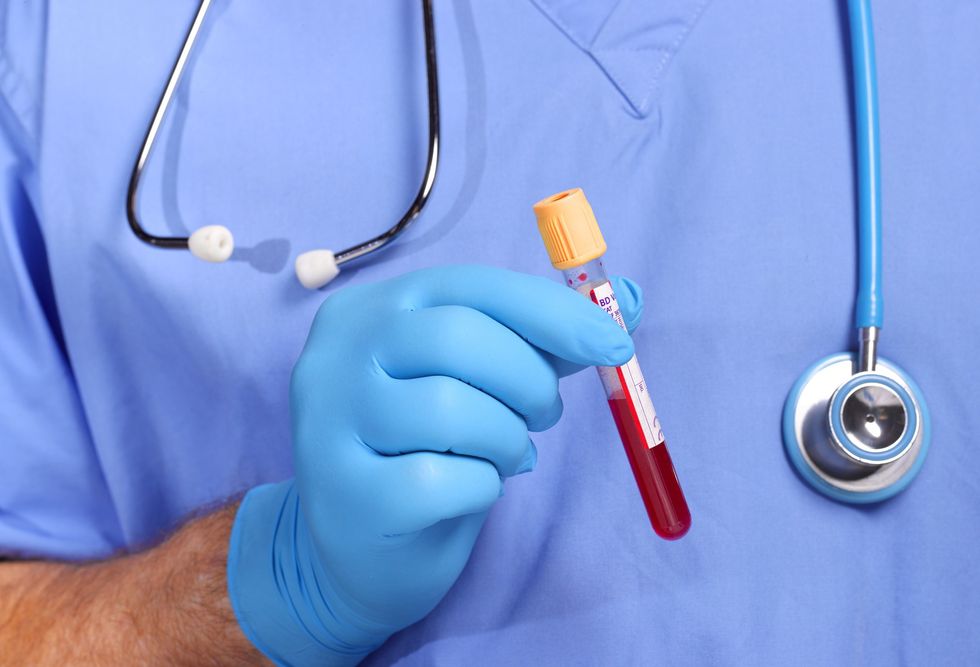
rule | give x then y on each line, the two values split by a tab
630	375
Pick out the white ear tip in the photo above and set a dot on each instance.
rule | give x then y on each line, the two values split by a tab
316	268
213	243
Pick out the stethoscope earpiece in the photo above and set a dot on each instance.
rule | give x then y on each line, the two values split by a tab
213	243
316	268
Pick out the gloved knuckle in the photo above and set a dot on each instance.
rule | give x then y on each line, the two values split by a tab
517	433
424	471
456	328
338	308
541	394
510	442
553	416
444	399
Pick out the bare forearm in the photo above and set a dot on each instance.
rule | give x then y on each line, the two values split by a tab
168	605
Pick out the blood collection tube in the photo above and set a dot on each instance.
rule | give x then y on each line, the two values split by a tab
575	245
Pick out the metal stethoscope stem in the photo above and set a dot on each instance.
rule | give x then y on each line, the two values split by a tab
867	349
432	160
149	140
344	256
869	307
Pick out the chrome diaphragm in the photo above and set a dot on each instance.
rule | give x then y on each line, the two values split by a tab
856	436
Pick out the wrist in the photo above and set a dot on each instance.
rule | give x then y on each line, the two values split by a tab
280	594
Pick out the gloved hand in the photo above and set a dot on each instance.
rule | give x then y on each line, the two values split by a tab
411	402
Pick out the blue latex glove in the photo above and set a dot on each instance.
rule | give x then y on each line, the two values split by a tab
411	402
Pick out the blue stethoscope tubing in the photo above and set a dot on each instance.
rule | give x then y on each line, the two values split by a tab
869	304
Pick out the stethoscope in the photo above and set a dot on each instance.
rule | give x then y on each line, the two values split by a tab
215	243
856	427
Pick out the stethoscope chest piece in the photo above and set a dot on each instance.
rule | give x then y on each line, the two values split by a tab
856	437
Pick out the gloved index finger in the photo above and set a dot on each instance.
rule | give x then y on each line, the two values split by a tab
629	296
546	314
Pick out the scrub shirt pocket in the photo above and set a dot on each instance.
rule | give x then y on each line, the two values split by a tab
632	41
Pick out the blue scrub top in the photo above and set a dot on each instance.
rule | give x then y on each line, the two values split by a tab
714	142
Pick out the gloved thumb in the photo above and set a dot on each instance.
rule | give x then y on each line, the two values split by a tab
629	296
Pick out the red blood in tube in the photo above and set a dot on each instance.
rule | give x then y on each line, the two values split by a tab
654	473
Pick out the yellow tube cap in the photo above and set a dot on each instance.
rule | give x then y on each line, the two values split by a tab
569	229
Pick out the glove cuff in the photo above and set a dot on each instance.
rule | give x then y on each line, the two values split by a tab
276	587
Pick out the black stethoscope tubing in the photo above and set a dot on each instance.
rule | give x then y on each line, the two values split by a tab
354	252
